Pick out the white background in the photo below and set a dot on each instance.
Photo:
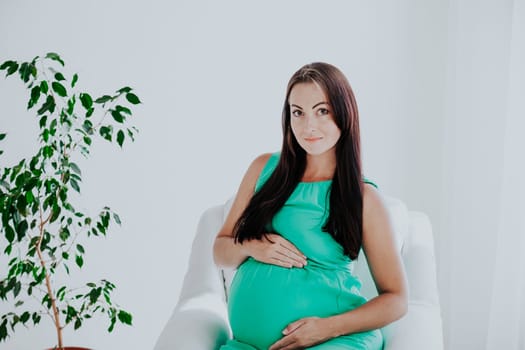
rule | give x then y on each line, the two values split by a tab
212	77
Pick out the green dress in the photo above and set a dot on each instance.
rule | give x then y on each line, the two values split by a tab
265	298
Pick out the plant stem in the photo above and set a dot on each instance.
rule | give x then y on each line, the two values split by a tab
56	316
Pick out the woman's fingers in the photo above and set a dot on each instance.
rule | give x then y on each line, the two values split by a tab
274	249
280	262
291	257
287	252
295	253
291	250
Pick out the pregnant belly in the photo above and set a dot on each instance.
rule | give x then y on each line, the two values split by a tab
265	298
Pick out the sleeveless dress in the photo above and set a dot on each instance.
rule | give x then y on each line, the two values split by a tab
265	298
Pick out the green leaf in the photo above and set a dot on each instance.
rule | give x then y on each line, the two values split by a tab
65	255
49	105
47	151
89	112
44	87
59	76
125	317
3	330
112	324
64	235
9	234
119	118
74	81
43	122
5	64
75	168
36	318
78	323
45	135
19	303
61	293
25	317
125	89
59	89
87	101
55	57
29	197
79	260
75	185
17	289
88	127
35	95
103	99
132	98
106	132
122	109
26	70
80	249
120	137
66	177
11	67
8	64
71	105
53	126
21	230
2	136
94	294
56	213
87	140
117	218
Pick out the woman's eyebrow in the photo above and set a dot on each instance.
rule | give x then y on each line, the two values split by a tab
320	103
317	104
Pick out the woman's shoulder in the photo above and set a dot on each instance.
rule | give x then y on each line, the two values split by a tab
374	206
263	166
260	165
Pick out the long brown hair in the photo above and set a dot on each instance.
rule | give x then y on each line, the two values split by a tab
345	222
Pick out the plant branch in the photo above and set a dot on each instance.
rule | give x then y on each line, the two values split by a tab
50	293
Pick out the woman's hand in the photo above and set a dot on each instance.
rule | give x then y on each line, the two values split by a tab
303	333
274	249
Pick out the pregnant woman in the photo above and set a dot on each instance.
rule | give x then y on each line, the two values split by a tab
299	220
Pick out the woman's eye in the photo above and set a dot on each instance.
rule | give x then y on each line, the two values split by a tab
297	113
323	111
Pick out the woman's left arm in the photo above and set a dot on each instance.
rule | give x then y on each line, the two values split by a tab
387	270
386	267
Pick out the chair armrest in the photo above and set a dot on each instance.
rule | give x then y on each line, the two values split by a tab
420	261
203	276
421	327
201	323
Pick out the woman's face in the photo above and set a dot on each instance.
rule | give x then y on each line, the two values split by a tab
312	119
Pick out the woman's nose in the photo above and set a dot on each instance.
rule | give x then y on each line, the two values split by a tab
311	122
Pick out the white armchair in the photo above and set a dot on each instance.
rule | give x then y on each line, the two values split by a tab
200	320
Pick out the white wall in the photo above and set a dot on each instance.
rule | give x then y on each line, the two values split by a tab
212	76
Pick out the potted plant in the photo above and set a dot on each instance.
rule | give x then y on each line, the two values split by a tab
41	231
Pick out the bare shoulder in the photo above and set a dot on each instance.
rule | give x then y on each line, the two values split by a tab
374	207
259	162
255	168
371	196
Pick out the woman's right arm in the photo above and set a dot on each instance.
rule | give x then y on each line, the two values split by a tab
273	250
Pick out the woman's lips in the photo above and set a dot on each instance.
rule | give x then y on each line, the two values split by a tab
312	139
